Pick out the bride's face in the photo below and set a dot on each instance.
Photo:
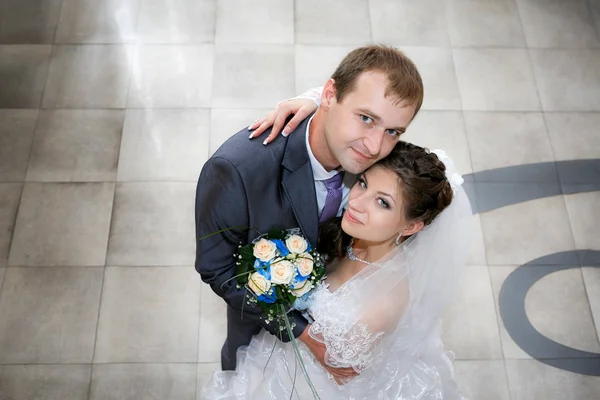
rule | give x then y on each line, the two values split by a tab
375	209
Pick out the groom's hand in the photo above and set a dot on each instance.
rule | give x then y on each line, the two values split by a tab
319	349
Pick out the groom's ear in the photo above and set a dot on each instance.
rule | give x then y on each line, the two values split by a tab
328	95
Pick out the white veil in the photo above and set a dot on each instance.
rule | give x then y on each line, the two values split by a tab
388	315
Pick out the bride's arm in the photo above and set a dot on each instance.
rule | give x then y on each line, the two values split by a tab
319	351
301	106
357	345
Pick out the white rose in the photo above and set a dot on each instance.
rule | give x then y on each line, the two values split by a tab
258	284
302	290
282	272
305	264
264	250
296	244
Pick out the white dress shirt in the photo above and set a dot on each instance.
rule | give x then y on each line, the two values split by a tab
320	174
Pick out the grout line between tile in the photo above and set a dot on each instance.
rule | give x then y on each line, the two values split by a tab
589	303
216	20
58	21
370	21
97	325
132	54
104	363
535	80
508	386
496	305
594	21
465	129
306	44
46	78
532	69
112	211
78	266
499	320
581	265
89	391
106	181
460	95
521	26
447	23
23	182
208	107
133	43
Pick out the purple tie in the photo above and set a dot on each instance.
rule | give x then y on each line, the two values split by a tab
334	197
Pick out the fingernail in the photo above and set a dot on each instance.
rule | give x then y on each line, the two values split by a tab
265	142
250	137
286	131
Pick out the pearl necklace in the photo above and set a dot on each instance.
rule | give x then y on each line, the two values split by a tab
352	256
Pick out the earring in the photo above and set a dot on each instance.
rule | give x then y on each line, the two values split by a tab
397	242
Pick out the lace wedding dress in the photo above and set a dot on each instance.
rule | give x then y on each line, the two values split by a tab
385	322
267	369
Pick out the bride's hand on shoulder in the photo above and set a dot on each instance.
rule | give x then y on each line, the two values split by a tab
300	108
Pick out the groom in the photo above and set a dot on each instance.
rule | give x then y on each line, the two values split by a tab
300	180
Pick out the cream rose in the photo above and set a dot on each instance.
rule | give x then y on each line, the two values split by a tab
302	290
296	244
264	250
282	272
258	283
305	264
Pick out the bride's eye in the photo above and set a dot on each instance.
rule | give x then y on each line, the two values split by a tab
383	203
362	183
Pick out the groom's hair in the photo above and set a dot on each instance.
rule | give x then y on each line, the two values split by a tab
404	81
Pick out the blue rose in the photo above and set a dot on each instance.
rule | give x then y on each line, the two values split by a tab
298	280
281	247
262	267
268	298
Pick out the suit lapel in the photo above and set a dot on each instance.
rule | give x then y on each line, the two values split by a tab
298	182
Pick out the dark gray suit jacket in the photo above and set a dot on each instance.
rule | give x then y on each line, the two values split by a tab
248	184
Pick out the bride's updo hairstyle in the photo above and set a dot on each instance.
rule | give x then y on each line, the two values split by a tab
425	191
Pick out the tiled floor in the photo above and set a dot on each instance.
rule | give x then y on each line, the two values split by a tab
108	109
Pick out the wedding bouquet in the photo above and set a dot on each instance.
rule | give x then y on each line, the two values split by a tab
278	269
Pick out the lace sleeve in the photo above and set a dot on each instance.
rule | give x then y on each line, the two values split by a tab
313	94
354	340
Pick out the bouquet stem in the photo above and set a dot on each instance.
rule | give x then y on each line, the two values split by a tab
288	328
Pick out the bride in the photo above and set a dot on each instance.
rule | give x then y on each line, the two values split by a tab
394	259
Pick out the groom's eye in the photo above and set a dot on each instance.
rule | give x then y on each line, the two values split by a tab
366	120
393	132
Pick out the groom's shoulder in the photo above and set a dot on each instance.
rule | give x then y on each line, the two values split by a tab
240	150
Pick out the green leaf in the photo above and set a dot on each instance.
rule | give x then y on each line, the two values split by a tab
264	306
247	251
242	273
276	234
